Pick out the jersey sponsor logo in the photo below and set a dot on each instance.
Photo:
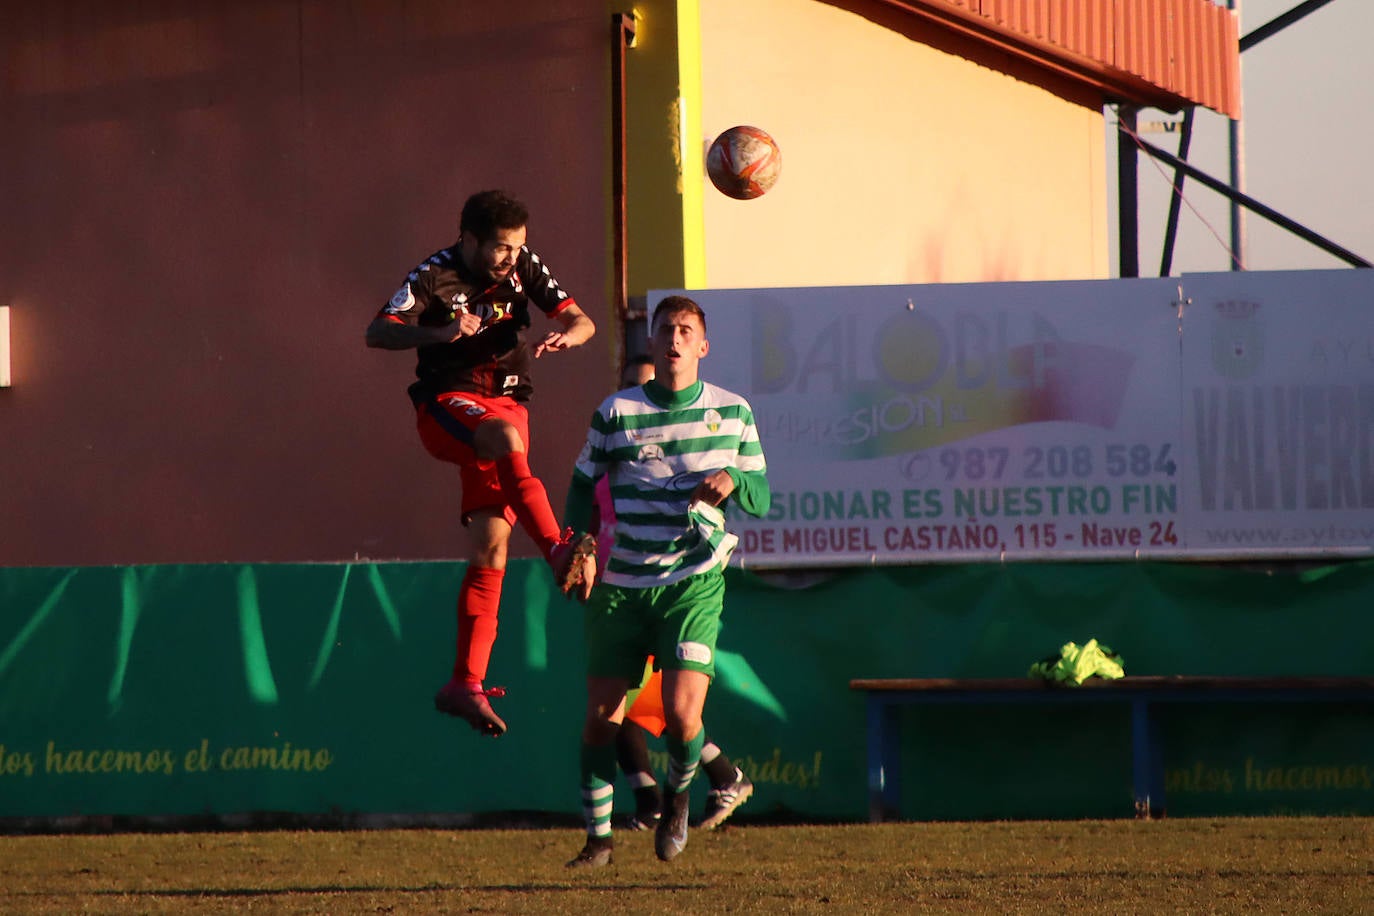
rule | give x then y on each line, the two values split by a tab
651	453
712	419
694	652
403	301
490	312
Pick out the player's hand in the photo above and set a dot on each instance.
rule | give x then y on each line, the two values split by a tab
582	591
574	567
554	340
464	325
715	488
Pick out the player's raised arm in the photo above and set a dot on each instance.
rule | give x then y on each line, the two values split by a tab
578	328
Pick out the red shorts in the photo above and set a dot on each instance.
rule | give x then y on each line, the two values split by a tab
446	425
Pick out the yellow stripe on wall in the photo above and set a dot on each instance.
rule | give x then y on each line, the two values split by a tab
691	151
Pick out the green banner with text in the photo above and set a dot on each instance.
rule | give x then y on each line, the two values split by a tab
306	689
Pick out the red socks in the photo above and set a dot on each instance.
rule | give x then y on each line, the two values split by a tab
529	499
478	601
480	595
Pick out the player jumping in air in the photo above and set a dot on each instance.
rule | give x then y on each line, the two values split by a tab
465	310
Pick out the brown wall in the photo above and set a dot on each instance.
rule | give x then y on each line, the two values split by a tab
204	203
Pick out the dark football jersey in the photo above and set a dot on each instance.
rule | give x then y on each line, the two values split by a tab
496	360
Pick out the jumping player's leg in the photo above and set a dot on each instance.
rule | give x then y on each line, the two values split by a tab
480	597
479	601
463	430
502	442
487	438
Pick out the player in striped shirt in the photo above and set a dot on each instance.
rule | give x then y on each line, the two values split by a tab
675	449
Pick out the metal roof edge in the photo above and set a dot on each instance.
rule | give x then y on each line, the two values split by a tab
1166	54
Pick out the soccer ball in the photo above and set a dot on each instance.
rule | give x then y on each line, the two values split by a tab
743	162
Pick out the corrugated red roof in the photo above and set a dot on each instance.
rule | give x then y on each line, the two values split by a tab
1168	54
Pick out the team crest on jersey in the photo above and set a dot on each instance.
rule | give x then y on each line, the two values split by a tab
712	419
403	301
650	453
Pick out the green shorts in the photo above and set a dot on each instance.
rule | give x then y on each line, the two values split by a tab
677	624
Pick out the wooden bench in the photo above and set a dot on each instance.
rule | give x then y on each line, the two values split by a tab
1143	694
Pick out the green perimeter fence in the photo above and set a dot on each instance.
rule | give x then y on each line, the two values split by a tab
305	689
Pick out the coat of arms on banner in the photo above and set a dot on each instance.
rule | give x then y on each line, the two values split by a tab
1237	338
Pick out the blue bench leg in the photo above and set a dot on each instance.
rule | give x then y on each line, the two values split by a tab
1147	761
884	743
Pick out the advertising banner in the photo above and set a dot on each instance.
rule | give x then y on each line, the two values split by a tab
1055	420
1278	413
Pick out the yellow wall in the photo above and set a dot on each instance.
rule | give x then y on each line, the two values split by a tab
902	162
664	213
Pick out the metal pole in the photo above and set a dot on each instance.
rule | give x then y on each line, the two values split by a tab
1128	193
1166	262
1279	23
1255	206
1237	144
622	37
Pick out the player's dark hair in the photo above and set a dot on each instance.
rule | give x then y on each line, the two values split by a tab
488	211
677	305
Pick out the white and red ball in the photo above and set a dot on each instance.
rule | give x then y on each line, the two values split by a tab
744	162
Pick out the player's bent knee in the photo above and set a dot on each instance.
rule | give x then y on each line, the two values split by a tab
496	438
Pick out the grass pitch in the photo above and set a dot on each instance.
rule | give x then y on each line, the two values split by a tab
1268	865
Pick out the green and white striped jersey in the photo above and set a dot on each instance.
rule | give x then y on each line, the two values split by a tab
656	452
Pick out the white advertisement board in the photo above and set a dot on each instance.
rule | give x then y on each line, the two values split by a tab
1054	420
1278	413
